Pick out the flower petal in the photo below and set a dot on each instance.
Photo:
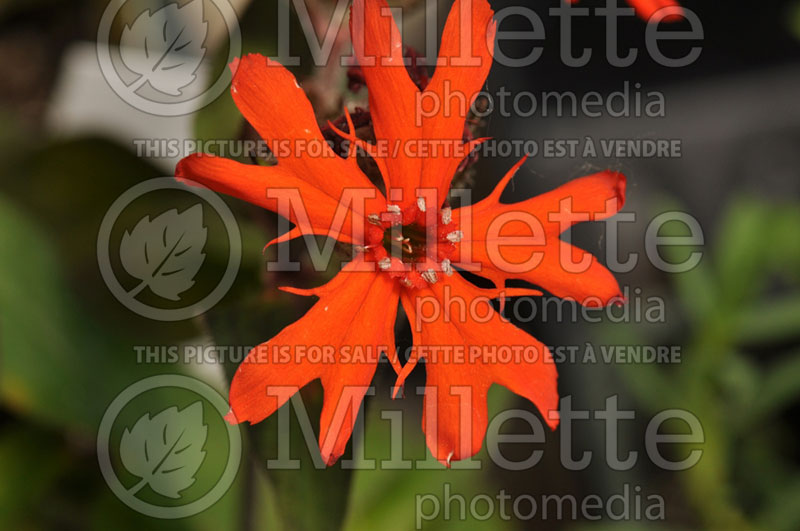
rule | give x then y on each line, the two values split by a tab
402	115
521	240
315	213
378	46
646	8
464	61
271	100
455	411
356	309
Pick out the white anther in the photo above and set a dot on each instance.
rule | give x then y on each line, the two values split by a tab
385	263
447	267
375	219
430	276
406	281
455	236
421	204
394	209
447	215
359	248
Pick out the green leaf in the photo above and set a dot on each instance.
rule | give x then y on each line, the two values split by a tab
784	245
782	512
772	321
31	462
740	250
57	365
779	386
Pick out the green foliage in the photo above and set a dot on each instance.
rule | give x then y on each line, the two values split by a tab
732	307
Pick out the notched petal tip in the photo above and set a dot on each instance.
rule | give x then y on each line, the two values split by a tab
234	65
620	187
552	419
231	419
182	168
191	169
331	459
618	300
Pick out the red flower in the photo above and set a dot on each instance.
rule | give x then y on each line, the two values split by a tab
406	248
647	8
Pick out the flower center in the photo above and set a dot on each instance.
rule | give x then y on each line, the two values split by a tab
414	244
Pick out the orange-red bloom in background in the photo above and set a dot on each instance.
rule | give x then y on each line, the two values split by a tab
647	8
411	228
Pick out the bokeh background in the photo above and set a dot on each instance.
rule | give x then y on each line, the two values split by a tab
67	345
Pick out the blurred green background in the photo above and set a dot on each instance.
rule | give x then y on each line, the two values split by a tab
67	345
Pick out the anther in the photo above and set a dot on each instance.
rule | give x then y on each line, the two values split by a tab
385	263
394	209
375	219
447	267
430	276
455	236
447	215
421	204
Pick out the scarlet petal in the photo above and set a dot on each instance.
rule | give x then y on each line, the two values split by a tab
647	8
521	240
455	411
355	309
270	98
464	61
564	270
250	183
590	198
378	46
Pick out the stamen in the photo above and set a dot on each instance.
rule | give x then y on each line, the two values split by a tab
447	267
430	276
455	236
447	215
401	237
